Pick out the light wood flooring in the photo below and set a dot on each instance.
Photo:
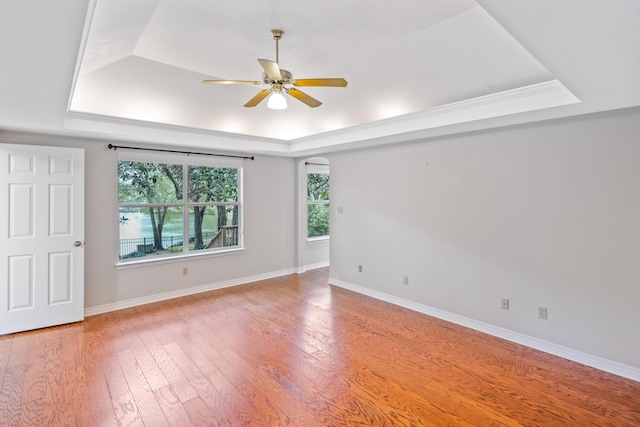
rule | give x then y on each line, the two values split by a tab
293	351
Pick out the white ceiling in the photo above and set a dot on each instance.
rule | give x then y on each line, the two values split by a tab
124	70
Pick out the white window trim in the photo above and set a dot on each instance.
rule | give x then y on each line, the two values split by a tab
160	259
160	157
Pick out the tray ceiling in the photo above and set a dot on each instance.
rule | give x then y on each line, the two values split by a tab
130	71
145	61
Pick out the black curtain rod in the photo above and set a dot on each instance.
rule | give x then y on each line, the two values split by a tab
115	147
315	164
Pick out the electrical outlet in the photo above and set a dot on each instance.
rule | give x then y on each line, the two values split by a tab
505	303
405	280
542	312
359	269
185	271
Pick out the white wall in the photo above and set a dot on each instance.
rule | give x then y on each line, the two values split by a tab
543	214
269	212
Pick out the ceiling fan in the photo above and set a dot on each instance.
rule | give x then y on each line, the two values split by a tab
281	82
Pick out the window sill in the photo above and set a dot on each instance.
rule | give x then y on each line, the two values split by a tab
320	239
175	258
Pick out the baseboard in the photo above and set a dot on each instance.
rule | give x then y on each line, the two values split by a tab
507	334
313	266
91	311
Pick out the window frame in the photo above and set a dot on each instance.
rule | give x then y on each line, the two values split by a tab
185	161
316	169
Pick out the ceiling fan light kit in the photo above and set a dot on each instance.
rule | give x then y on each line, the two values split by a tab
277	101
281	82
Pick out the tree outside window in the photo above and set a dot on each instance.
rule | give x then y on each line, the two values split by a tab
317	205
172	209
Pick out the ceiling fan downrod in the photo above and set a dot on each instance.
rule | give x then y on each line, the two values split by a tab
277	35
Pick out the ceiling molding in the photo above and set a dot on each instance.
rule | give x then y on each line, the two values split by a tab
530	98
542	95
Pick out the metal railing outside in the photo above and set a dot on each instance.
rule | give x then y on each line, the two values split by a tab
142	246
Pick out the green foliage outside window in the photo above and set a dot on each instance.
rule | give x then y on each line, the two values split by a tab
317	204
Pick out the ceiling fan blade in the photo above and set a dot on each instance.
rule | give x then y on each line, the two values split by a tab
301	96
271	69
339	82
259	97
231	82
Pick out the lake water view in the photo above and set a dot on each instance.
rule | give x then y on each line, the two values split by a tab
136	232
137	224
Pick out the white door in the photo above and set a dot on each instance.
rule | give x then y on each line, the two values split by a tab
41	236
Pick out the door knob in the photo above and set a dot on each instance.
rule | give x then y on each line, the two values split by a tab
77	243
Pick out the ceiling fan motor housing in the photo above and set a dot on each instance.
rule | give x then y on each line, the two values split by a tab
286	78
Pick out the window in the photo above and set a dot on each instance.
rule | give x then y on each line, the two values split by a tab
171	209
317	204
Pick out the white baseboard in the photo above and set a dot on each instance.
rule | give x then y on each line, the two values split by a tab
507	334
91	311
313	266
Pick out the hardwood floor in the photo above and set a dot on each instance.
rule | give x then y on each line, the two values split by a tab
293	351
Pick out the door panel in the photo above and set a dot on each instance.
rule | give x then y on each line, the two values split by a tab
60	210
20	282
41	236
20	210
60	275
